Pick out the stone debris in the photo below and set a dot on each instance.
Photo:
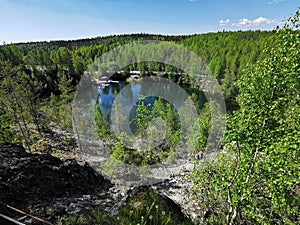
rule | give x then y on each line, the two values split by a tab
53	188
41	182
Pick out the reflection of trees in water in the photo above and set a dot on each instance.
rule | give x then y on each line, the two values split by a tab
106	90
105	100
127	93
130	93
147	88
170	91
115	88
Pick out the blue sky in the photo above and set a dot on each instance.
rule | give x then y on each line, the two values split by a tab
37	20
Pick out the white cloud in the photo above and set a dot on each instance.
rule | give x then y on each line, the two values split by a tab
275	2
224	22
254	23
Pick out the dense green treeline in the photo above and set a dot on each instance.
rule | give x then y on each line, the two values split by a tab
108	40
226	53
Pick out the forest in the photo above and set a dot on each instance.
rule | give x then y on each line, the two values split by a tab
254	179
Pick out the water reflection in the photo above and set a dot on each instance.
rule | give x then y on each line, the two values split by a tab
133	91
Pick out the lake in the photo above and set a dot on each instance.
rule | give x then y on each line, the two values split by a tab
129	94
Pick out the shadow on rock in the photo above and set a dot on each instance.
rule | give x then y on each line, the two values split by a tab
31	179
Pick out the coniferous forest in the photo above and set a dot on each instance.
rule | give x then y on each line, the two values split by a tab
254	176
